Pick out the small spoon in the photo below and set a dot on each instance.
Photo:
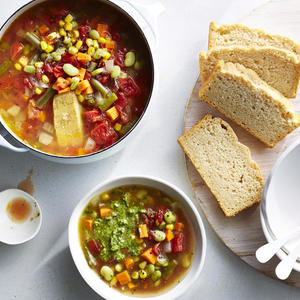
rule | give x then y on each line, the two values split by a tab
11	231
267	251
285	267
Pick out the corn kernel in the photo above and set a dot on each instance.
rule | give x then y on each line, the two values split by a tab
80	98
38	91
76	33
49	49
89	42
38	64
78	44
62	32
18	67
44	45
73	40
95	44
73	50
170	226
23	61
45	79
69	18
61	23
52	36
68	26
118	126
67	40
77	92
102	40
74	24
91	51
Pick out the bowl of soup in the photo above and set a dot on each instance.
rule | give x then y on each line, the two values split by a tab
76	78
137	237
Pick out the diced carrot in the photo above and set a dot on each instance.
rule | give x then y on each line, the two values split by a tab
123	277
110	45
102	28
83	57
83	85
42	116
88	224
179	226
43	29
81	73
60	84
143	231
105	211
131	285
169	235
149	256
129	263
88	90
67	89
81	151
112	113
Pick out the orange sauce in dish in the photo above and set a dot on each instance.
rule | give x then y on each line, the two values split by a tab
19	210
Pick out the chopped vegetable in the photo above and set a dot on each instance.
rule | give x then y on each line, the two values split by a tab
179	226
129	263
149	256
99	87
70	70
169	235
88	223
14	110
112	113
33	39
107	102
45	138
129	59
83	57
42	101
107	273
143	231
105	211
123	278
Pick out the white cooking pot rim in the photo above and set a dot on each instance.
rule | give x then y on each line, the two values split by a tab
12	134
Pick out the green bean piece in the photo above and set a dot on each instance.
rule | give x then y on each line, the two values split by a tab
99	86
125	128
94	34
107	102
70	70
42	101
170	269
92	66
33	39
29	69
5	66
129	59
115	73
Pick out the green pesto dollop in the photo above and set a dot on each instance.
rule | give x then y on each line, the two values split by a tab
115	230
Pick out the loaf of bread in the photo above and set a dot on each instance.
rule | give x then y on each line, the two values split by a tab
241	95
224	164
241	35
279	68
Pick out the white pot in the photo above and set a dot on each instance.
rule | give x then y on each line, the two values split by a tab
145	19
90	276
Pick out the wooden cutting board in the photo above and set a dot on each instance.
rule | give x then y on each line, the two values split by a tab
243	234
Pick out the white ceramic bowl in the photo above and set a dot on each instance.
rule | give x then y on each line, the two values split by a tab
280	205
90	276
143	18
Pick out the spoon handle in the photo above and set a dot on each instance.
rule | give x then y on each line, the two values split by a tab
285	267
267	251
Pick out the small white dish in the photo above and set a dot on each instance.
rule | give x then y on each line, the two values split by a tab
13	233
90	276
280	205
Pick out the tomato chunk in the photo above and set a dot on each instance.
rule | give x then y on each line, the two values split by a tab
156	249
94	116
104	135
128	87
120	57
177	243
94	247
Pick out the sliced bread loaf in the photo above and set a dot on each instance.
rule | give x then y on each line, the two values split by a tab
279	68
241	35
241	95
224	164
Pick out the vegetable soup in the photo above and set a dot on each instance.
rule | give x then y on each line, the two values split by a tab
75	76
137	239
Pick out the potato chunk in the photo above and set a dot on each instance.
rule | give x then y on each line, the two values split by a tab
68	120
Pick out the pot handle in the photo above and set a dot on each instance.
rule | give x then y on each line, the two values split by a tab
148	14
5	144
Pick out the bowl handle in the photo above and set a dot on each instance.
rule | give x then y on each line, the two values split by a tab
148	14
4	143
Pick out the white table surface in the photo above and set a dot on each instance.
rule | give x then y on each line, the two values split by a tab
43	268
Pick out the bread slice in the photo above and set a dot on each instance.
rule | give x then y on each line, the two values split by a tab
224	164
241	35
279	68
242	96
